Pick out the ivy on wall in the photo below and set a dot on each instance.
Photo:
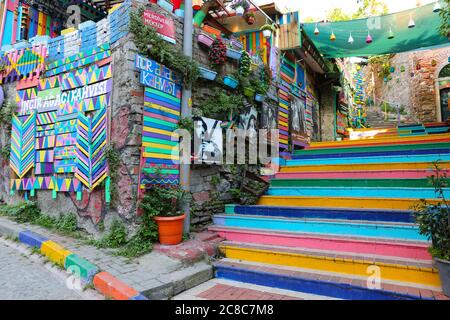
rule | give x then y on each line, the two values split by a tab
150	45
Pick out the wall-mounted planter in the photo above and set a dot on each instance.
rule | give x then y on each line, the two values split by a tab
205	40
230	82
234	54
249	92
260	97
236	44
207	74
166	5
212	30
179	13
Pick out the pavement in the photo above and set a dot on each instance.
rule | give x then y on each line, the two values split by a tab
161	275
221	289
26	276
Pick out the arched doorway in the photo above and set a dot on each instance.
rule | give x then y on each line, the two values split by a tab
443	92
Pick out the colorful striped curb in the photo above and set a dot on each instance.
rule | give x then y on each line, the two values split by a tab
104	283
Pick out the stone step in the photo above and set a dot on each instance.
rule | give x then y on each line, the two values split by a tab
410	271
322	283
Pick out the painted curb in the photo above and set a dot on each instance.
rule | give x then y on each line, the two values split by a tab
107	285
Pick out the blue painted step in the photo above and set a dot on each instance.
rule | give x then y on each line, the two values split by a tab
338	227
385	193
367	160
305	285
374	154
324	213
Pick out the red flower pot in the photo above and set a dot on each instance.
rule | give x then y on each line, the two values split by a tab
170	229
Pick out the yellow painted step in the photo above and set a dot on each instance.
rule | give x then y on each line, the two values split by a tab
365	167
382	139
341	202
393	272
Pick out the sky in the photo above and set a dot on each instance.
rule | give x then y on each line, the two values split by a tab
319	8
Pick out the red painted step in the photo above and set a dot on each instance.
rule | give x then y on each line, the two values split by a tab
381	247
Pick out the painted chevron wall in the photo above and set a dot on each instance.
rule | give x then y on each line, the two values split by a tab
22	144
62	130
160	144
336	212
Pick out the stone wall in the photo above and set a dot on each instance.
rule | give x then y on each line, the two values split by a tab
327	115
412	85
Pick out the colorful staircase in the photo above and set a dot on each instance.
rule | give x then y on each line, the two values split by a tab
338	217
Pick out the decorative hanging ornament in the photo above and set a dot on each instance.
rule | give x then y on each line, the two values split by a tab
369	38
437	7
391	34
350	39
332	37
411	23
316	31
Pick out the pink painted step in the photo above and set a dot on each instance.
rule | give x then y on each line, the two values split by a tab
391	174
410	250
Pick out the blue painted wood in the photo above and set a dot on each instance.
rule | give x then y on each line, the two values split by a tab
370	160
326	213
316	287
385	193
376	230
32	239
374	154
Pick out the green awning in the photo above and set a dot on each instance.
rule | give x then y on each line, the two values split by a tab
424	34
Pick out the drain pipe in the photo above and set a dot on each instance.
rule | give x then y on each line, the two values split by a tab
186	111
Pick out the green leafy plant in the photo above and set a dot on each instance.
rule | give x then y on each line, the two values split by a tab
115	238
187	124
445	19
245	64
268	26
5	152
434	219
218	53
6	113
114	163
150	44
163	202
221	104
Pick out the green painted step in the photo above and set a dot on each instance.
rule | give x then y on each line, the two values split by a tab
422	146
81	267
356	183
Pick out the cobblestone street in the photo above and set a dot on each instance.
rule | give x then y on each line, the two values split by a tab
25	277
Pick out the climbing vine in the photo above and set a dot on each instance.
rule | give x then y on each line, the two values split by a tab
114	161
150	44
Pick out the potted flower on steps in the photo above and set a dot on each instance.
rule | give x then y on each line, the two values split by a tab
434	223
163	204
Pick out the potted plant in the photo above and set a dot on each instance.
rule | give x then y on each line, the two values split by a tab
240	6
230	82
234	54
218	53
163	204
434	223
250	18
267	30
245	64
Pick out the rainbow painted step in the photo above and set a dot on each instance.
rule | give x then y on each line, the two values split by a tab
374	192
404	216
416	272
318	283
347	175
370	246
373	149
316	226
341	202
430	158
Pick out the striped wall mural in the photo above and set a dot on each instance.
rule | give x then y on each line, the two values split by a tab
162	106
254	42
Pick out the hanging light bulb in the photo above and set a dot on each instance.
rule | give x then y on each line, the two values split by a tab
350	39
411	23
369	38
437	7
316	30
391	34
332	37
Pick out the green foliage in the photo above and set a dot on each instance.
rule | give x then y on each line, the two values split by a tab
370	8
24	212
245	64
445	19
115	238
5	152
244	197
187	124
163	202
217	53
67	223
6	113
337	14
150	44
268	26
434	219
114	162
221	104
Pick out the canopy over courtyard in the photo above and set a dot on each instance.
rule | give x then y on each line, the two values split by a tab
399	32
